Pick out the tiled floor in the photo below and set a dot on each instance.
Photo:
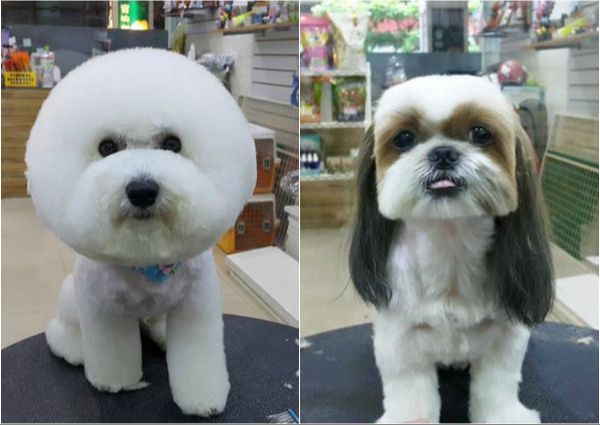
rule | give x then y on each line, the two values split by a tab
35	262
327	299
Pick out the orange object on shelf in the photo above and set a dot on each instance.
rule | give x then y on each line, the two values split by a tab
254	228
265	165
264	140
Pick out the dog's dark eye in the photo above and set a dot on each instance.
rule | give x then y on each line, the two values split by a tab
171	143
107	147
404	140
480	136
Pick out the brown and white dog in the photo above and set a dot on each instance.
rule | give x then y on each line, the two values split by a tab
450	245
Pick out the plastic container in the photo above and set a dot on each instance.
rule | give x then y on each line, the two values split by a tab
47	66
20	79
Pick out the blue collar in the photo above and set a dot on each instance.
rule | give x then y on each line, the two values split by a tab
158	273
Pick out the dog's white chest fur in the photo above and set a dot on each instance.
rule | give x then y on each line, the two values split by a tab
125	292
437	270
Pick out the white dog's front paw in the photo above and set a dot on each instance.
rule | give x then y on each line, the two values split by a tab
64	341
116	387
514	413
201	399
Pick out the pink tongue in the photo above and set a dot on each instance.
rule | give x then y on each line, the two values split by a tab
442	184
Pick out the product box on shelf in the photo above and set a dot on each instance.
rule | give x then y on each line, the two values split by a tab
264	140
255	226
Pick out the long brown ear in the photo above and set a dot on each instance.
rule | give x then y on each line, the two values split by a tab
372	233
520	262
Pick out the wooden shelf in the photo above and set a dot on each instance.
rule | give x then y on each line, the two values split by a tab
503	31
305	72
332	125
560	43
257	28
187	13
325	177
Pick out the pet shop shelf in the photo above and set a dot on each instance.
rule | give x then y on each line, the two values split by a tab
257	28
333	125
254	228
328	177
19	110
272	276
570	41
306	72
264	139
189	13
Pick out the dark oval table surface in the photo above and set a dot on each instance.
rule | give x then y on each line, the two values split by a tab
262	359
341	383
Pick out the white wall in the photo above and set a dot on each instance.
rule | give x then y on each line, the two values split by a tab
583	81
549	67
275	61
264	62
569	75
240	46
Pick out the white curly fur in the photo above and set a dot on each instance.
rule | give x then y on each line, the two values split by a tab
137	96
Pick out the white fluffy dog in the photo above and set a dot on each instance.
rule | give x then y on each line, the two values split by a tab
139	160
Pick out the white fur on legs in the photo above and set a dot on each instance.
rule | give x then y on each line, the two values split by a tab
410	383
411	394
63	333
112	352
195	351
495	381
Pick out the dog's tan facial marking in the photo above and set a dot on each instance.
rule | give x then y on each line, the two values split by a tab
421	327
386	153
502	147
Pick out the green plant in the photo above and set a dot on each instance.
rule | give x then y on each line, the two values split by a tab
404	13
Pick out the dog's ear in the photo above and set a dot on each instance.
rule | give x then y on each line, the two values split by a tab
520	261
372	233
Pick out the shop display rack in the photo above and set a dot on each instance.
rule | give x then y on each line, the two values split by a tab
332	125
559	43
257	28
306	72
327	177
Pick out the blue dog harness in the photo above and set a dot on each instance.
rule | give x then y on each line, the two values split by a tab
158	273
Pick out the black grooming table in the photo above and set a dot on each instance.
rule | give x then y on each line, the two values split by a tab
340	382
262	359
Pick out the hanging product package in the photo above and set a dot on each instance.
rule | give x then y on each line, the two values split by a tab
315	39
349	35
349	94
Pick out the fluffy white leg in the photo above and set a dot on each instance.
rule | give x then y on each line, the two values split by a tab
156	329
112	351
495	381
62	333
410	384
195	351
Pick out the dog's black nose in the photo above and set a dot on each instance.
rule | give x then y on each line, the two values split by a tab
443	157
142	193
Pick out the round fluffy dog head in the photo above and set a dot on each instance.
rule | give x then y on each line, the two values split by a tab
140	157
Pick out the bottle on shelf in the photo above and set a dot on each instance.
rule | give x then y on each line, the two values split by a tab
47	67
